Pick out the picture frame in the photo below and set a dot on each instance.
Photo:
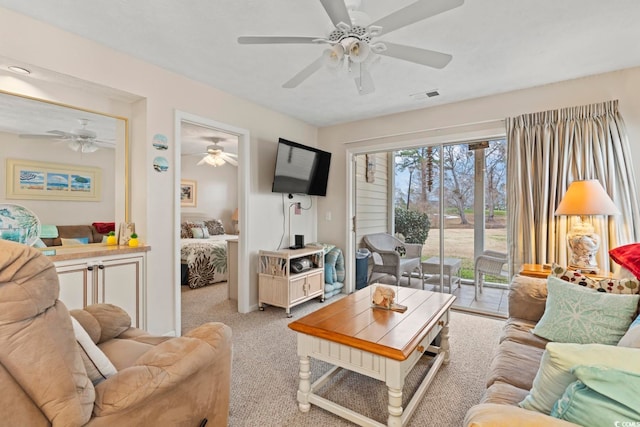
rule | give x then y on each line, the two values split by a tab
188	193
34	180
125	231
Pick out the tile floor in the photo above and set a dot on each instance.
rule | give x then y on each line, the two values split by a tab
492	301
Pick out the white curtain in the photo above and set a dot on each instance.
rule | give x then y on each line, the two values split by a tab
546	152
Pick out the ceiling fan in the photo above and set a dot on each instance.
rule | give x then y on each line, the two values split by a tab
216	156
351	45
80	139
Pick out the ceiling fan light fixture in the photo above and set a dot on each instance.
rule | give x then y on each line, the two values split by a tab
333	56
358	51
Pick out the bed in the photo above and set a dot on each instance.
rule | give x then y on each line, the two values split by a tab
203	254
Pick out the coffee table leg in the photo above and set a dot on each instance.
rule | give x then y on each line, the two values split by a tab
305	385
444	342
395	407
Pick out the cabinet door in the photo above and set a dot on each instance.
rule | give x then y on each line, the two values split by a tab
76	285
297	289
315	283
119	283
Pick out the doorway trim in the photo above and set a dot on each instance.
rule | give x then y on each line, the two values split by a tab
244	163
427	137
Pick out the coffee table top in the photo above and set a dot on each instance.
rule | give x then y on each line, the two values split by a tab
352	321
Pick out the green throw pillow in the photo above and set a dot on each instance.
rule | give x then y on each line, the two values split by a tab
601	397
554	374
574	314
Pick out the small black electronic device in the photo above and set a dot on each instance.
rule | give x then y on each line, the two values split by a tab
301	264
299	239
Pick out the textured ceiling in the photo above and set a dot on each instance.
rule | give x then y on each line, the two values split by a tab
497	46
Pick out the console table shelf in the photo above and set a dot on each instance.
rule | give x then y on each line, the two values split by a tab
279	286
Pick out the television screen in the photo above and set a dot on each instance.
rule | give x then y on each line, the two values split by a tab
301	169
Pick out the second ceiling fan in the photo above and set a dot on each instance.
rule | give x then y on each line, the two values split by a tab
351	44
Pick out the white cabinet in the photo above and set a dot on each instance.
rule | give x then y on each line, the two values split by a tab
280	286
118	279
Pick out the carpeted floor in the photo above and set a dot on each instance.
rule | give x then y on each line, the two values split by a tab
265	367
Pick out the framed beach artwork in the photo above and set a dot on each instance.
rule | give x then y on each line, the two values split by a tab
32	180
188	193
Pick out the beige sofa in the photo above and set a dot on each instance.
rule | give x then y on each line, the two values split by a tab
160	381
74	232
516	363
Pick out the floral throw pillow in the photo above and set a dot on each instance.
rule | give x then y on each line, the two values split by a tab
608	285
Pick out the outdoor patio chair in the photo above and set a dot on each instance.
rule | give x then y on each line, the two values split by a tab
387	258
490	262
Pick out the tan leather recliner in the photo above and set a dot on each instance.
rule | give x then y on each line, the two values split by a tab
160	381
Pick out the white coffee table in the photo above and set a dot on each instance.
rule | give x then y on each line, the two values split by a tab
381	344
450	269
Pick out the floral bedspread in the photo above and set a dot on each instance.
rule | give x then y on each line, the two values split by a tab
206	261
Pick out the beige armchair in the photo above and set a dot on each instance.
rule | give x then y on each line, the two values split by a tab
160	381
387	260
490	262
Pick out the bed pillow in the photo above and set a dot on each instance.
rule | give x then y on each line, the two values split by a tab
627	256
601	397
609	285
554	374
574	314
200	232
632	337
214	226
186	226
329	273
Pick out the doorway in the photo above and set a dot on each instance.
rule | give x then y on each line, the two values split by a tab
452	196
241	200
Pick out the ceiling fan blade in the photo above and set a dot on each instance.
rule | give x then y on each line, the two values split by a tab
364	83
430	58
415	12
229	160
34	136
277	39
202	161
337	11
305	73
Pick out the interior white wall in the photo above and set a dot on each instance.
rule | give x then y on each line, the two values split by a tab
623	85
217	189
153	194
62	212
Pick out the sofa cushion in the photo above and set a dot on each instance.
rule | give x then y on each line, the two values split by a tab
519	330
504	394
515	364
527	297
124	353
598	399
495	415
554	375
575	314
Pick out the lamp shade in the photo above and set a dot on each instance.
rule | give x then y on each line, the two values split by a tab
586	198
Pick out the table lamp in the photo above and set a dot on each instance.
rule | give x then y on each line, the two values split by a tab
234	220
585	198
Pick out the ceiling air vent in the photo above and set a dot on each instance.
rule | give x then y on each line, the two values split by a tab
424	95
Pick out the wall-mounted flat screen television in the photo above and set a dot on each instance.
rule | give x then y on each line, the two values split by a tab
301	169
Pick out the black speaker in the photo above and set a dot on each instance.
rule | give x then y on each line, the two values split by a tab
299	240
